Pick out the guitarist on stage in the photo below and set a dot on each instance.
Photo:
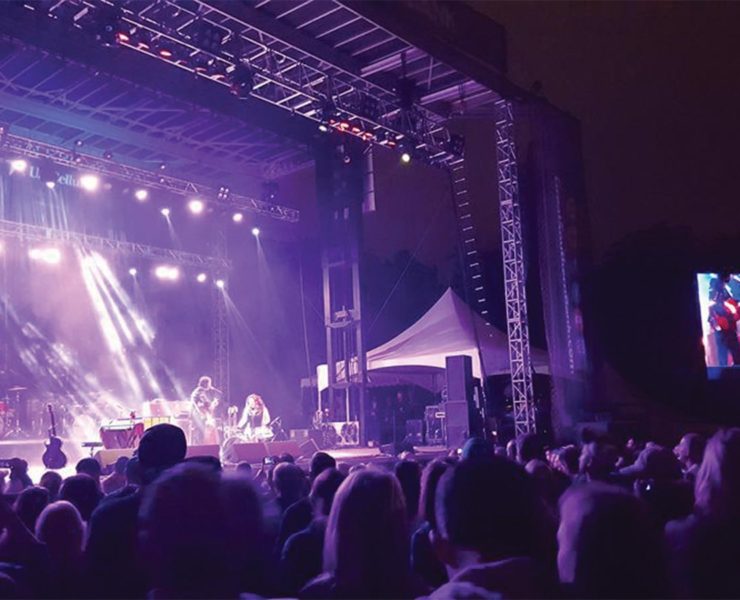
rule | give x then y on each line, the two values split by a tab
204	401
724	314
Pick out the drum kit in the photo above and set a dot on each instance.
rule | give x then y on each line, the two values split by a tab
12	408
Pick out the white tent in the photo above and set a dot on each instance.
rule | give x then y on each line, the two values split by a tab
417	355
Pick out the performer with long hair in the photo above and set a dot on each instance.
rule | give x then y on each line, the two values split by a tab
255	420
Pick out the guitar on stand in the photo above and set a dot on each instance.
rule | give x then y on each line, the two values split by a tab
53	457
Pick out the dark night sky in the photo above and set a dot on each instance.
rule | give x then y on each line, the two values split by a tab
657	89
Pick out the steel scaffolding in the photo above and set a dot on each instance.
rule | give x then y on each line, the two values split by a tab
515	292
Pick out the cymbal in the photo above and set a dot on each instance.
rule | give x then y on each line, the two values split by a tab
17	388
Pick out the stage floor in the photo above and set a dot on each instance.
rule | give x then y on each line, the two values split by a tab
31	450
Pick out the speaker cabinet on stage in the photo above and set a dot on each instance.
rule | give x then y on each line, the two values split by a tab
110	456
459	373
203	450
277	448
251	452
308	448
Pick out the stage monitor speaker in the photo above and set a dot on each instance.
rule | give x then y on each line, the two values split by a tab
203	450
308	448
277	448
234	453
109	457
414	430
459	373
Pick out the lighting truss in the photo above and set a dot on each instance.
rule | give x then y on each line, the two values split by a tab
20	146
35	233
517	324
308	87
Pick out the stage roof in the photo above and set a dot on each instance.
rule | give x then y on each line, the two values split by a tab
59	84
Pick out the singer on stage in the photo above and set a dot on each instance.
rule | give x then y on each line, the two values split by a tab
204	400
255	421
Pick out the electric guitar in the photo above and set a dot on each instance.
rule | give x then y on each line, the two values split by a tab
53	457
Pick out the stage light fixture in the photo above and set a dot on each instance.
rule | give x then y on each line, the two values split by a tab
196	206
89	182
201	278
18	165
323	128
50	184
107	155
237	217
241	81
141	195
51	256
167	273
220	284
79	143
255	231
406	157
223	193
165	212
132	271
48	173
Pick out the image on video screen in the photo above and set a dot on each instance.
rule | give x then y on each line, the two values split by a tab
719	302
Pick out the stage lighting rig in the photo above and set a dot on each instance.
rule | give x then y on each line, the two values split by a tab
141	195
207	36
18	165
241	81
48	173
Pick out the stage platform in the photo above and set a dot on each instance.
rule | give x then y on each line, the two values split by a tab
31	450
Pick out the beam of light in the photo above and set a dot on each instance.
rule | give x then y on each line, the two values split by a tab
51	256
18	165
141	195
167	273
196	206
237	217
90	182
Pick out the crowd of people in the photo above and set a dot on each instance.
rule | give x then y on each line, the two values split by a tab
594	520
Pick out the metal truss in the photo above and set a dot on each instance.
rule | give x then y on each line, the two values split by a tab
221	339
514	271
35	233
282	75
19	146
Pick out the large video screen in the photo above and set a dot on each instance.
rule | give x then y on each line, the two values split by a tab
719	302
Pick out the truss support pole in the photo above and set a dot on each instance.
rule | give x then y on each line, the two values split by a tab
221	342
339	173
514	271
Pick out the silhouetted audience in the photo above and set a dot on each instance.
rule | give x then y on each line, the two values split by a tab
29	504
608	545
91	468
61	529
301	558
408	473
52	481
690	453
366	548
492	530
424	561
82	491
117	479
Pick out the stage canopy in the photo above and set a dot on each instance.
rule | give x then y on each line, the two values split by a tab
417	355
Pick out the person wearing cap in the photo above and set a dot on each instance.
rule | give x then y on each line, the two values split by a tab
111	552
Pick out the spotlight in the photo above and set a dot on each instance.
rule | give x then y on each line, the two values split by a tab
79	143
50	184
141	195
165	213
132	271
107	155
51	256
162	166
167	273
220	284
201	278
18	165
323	128
48	173
90	183
237	217
405	157
255	231
223	192
241	81
196	206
